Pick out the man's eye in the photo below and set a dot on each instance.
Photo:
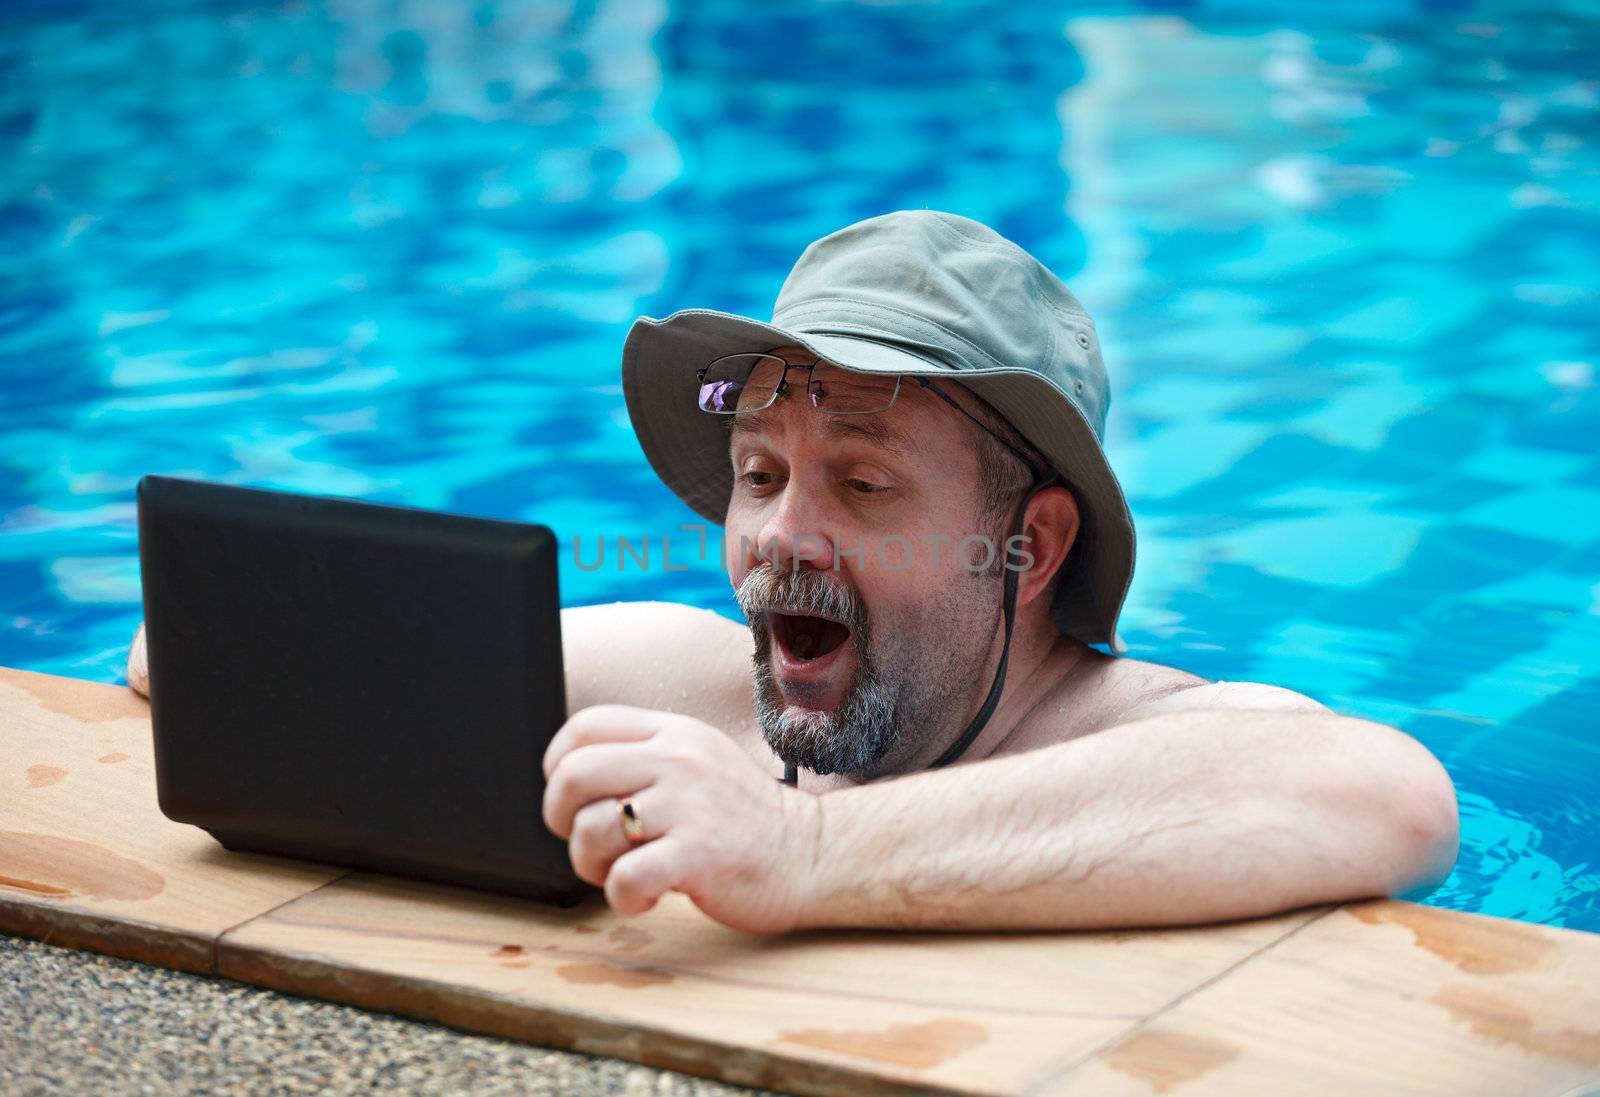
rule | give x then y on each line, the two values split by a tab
865	487
757	479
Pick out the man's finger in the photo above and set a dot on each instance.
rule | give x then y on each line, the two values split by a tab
598	838
600	724
644	874
591	773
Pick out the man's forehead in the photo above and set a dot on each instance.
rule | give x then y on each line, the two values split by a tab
878	429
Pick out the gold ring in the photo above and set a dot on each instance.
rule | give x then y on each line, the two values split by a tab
632	825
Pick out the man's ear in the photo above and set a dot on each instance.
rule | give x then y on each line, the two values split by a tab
1052	526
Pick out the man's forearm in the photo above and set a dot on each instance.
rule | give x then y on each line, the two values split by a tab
1181	818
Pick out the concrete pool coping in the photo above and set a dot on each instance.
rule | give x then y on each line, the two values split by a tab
1373	997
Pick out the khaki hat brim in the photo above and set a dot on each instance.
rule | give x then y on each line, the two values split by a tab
689	448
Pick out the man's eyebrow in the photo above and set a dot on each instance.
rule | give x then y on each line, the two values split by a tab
870	427
750	422
873	429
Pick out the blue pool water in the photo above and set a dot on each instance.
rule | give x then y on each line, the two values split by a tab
1343	261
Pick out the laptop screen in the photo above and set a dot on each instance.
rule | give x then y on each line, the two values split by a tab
357	683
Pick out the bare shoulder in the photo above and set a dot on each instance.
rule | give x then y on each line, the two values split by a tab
662	655
1137	690
1105	691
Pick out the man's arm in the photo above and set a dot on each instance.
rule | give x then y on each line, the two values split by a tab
1183	816
659	655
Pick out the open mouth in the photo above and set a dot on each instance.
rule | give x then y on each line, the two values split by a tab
806	637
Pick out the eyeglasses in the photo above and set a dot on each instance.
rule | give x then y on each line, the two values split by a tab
739	383
750	382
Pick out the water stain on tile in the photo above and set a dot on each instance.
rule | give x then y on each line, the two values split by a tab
1168	1059
916	1045
85	702
112	758
1491	1016
32	885
629	938
64	867
1476	946
45	776
613	976
511	956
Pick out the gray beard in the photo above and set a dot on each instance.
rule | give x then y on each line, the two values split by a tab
849	740
885	718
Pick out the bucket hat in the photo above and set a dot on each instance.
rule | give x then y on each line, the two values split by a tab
924	293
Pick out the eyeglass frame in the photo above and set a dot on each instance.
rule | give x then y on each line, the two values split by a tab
782	387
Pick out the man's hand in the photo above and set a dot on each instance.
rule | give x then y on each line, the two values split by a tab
733	839
138	664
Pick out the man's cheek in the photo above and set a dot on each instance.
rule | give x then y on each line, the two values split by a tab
738	551
943	556
893	553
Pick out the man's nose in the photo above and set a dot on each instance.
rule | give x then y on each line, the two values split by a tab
795	533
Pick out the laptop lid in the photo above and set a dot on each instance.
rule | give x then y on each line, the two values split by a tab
357	683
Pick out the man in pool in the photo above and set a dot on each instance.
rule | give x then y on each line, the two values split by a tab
925	537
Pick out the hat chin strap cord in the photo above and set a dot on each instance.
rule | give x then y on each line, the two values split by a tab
791	773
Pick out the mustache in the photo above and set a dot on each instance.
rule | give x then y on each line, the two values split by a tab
804	590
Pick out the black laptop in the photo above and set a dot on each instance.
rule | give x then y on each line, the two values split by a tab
361	684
